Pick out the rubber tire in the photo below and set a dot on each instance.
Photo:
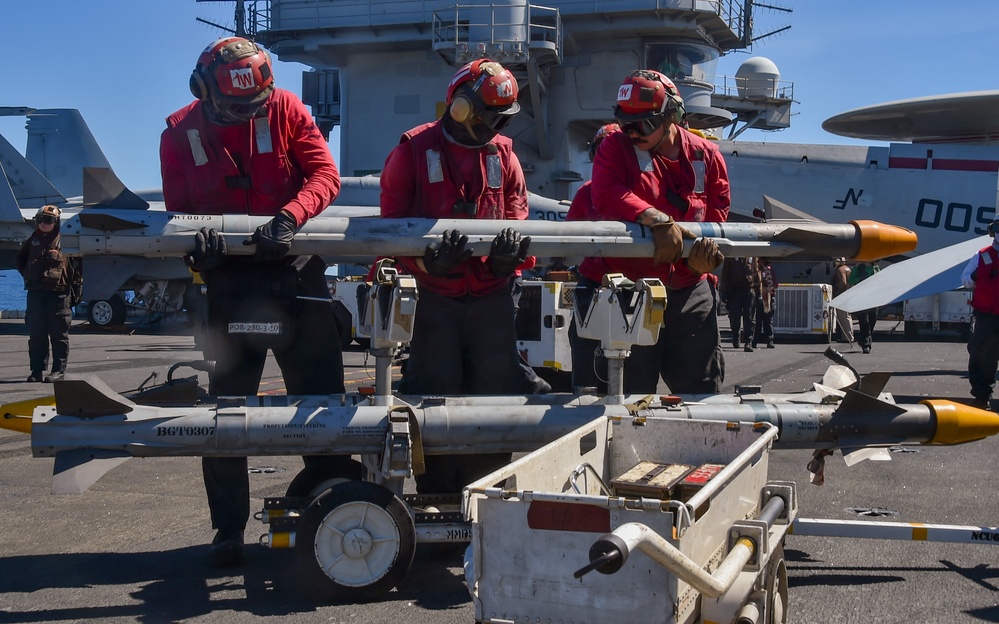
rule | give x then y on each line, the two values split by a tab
361	516
324	473
777	588
107	312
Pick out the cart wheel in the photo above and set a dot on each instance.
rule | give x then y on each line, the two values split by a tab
357	541
777	588
322	473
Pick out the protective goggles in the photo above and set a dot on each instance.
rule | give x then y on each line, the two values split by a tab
642	127
495	120
45	219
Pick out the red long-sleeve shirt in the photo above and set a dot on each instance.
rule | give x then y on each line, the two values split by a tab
426	175
256	168
623	188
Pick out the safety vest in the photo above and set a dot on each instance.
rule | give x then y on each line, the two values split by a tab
439	195
985	297
216	183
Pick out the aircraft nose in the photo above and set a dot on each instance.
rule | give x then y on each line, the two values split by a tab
879	240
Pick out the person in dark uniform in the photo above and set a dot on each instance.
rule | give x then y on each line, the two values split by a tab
48	277
246	147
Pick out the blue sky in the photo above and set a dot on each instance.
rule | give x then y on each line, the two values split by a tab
125	63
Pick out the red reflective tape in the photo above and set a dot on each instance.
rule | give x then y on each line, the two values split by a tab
552	516
898	162
963	164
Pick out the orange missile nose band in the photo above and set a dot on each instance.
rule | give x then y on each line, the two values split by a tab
958	423
879	240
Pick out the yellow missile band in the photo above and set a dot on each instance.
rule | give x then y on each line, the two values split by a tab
958	423
878	240
17	416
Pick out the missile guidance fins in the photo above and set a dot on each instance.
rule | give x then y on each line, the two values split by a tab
87	396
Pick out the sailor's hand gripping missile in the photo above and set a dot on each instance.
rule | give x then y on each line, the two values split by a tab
209	250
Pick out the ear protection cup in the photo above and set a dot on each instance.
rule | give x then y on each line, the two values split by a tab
992	228
462	110
197	84
675	111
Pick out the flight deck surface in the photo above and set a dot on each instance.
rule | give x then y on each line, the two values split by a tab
133	547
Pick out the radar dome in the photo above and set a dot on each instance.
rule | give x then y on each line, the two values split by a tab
757	78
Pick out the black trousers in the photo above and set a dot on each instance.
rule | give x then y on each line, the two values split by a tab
48	317
742	315
983	355
309	357
462	345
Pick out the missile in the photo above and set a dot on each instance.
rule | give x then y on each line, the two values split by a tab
154	233
91	429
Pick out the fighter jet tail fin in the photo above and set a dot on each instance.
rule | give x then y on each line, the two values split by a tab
24	184
60	145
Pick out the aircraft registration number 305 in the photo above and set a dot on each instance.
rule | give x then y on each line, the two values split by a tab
955	216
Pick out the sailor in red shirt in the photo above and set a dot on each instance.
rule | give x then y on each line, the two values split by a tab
464	335
246	147
982	275
581	208
655	172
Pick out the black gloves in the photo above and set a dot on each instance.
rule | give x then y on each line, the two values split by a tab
273	239
209	250
440	257
508	251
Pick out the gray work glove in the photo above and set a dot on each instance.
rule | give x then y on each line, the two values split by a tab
508	252
273	239
440	257
209	250
704	256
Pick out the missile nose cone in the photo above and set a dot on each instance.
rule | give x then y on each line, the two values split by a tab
879	240
958	423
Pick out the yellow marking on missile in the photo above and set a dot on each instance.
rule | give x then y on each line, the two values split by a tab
17	415
879	240
919	532
958	423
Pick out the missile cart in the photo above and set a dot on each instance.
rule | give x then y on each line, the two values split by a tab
708	548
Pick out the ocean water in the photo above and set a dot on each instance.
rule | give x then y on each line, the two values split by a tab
12	295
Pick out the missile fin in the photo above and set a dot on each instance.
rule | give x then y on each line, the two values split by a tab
857	402
102	186
856	454
106	222
87	396
77	469
872	384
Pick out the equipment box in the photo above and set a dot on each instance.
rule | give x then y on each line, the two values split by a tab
534	521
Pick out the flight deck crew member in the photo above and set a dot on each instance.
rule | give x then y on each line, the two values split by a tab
740	285
48	278
655	172
982	274
840	284
581	208
464	334
246	147
866	319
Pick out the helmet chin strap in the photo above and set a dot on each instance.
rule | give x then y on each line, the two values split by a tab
665	126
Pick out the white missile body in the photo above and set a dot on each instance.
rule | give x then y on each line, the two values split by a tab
91	428
153	234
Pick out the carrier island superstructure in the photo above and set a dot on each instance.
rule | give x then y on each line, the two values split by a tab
381	67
